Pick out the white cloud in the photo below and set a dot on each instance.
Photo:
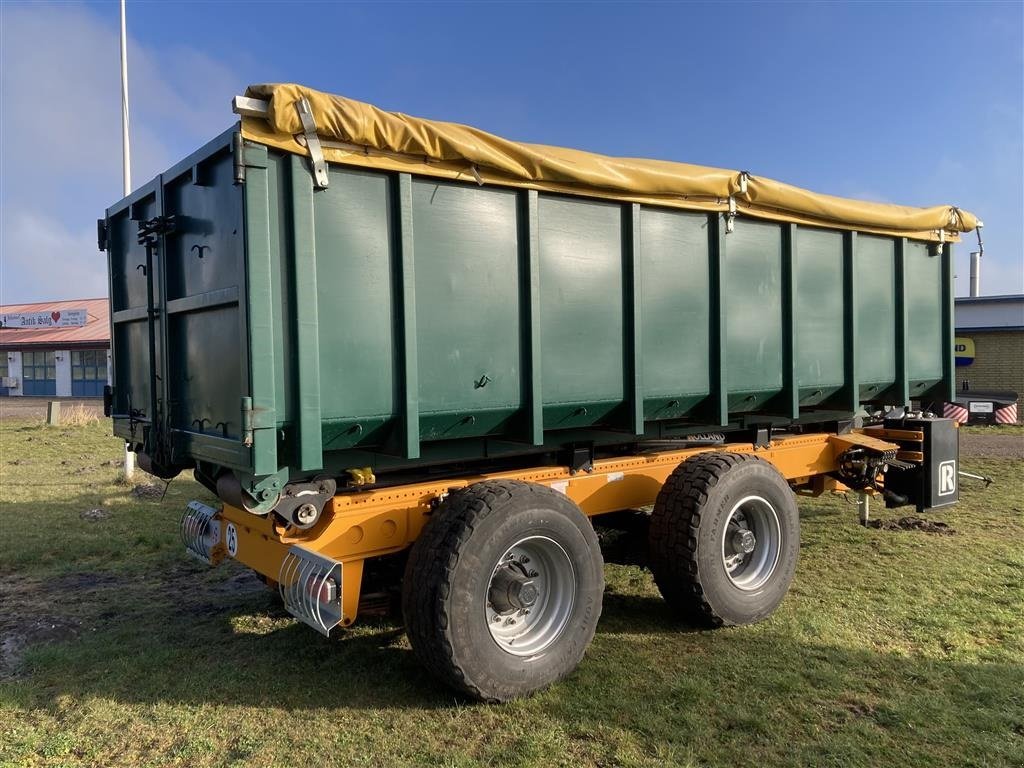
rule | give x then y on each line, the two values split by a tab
53	262
60	143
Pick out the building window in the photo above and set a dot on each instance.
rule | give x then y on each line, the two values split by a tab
39	372
88	372
4	372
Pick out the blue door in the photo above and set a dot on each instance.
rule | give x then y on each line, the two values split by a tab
88	372
38	373
4	391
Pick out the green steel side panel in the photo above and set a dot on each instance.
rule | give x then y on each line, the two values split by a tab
717	410
848	399
466	244
581	284
818	316
204	254
532	380
946	389
675	315
923	269
204	377
307	327
129	283
279	211
131	375
260	311
753	308
787	403
406	318
633	284
355	253
899	393
875	275
203	261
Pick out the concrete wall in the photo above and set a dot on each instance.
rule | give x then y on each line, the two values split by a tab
62	359
14	370
998	361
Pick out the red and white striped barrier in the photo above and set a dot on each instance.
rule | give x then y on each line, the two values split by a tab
955	412
1006	414
1001	414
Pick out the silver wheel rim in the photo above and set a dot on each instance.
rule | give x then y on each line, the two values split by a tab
530	596
751	543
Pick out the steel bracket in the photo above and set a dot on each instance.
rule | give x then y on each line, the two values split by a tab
312	142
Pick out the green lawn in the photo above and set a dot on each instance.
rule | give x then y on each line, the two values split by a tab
893	648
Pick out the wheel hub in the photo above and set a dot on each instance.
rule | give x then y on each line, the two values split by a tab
530	596
744	541
751	543
511	590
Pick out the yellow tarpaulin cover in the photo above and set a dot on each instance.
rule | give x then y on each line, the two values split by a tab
355	133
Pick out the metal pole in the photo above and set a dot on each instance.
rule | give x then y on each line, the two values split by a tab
975	273
129	456
125	145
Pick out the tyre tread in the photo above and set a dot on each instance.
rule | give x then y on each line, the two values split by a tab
675	521
431	567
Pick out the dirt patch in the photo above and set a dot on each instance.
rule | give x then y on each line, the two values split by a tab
911	523
244	582
994	446
19	635
92	515
80	582
149	491
26	617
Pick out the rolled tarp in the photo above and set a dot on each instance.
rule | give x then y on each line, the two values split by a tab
355	133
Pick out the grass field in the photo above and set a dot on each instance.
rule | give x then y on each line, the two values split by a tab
893	648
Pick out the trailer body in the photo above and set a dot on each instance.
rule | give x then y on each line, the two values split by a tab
280	332
412	357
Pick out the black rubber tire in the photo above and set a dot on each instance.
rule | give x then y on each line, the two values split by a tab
686	532
447	578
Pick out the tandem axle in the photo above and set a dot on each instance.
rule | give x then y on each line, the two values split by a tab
527	590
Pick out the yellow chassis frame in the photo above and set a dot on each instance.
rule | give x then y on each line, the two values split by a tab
359	525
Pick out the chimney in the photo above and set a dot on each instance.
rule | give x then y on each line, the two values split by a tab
975	273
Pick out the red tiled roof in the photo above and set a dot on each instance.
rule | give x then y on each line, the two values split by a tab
95	331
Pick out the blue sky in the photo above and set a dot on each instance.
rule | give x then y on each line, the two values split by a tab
914	103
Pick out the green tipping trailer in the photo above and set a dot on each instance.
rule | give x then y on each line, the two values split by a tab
412	357
280	332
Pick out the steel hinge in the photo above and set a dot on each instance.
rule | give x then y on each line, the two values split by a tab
238	156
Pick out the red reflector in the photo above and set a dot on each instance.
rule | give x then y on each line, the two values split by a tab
322	590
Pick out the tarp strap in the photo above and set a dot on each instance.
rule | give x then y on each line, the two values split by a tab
312	142
730	216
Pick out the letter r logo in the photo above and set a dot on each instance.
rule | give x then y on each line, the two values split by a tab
947	478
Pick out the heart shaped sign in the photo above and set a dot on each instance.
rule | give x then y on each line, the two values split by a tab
55	316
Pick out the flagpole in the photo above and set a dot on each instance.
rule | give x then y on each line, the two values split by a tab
125	145
129	456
